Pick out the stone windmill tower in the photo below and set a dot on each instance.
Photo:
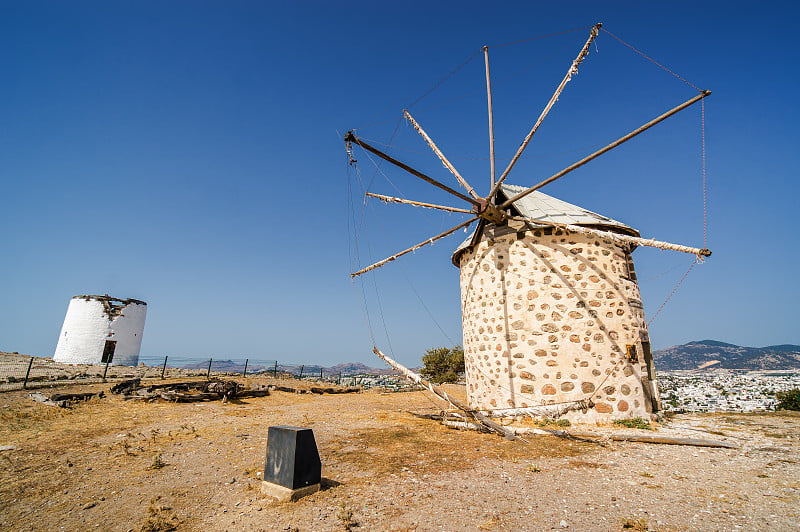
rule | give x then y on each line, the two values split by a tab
100	329
551	311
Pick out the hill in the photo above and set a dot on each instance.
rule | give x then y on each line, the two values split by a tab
712	354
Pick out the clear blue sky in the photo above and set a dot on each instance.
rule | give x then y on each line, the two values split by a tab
189	154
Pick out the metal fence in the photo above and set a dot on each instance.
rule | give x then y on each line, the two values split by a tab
21	371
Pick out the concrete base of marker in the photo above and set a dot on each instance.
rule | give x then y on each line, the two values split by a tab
284	494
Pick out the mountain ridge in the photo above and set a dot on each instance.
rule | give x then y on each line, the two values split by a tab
713	354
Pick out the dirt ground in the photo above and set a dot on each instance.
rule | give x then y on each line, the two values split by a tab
110	464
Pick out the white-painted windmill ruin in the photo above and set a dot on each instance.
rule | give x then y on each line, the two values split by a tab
551	311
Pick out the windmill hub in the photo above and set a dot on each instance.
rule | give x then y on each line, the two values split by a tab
489	212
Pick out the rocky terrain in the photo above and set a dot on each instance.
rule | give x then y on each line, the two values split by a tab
711	354
110	464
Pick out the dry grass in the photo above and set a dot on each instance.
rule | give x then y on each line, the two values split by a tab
422	446
160	517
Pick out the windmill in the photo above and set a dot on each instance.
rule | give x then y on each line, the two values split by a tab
551	311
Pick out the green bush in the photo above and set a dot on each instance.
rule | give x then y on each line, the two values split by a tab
443	364
634	423
788	400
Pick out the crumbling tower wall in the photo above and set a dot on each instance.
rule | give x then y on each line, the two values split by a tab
101	328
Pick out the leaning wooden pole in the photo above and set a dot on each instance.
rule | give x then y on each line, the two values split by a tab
414	247
483	420
611	146
445	161
573	69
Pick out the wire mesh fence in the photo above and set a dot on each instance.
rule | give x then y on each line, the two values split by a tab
22	371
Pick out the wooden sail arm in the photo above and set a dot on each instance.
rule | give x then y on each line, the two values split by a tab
447	164
350	137
611	146
392	199
573	69
414	247
483	420
617	237
490	112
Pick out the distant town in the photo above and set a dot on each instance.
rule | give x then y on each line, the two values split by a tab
724	390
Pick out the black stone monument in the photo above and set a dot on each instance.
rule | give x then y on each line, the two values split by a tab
292	457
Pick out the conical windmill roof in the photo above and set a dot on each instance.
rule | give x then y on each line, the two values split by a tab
542	207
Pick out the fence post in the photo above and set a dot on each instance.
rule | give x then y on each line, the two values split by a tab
275	371
320	373
301	372
27	373
244	373
105	370
164	367
208	374
340	378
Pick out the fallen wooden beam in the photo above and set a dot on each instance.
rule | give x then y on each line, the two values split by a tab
62	400
480	418
672	440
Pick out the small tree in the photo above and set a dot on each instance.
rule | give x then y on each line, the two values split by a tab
443	364
788	400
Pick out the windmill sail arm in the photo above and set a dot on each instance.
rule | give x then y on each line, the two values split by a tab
611	146
350	137
573	69
392	199
414	247
447	164
638	241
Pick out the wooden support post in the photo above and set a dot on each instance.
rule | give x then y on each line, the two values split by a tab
164	368
301	372
106	369
244	373
208	374
275	371
611	146
27	373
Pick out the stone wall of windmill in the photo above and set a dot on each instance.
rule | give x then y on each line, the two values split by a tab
552	317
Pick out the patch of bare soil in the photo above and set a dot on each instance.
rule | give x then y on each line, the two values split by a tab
110	464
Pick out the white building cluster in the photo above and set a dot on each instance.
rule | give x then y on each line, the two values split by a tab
724	390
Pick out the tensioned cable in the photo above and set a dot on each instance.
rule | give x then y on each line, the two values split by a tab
436	86
547	156
705	181
695	87
374	281
462	65
696	261
539	37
